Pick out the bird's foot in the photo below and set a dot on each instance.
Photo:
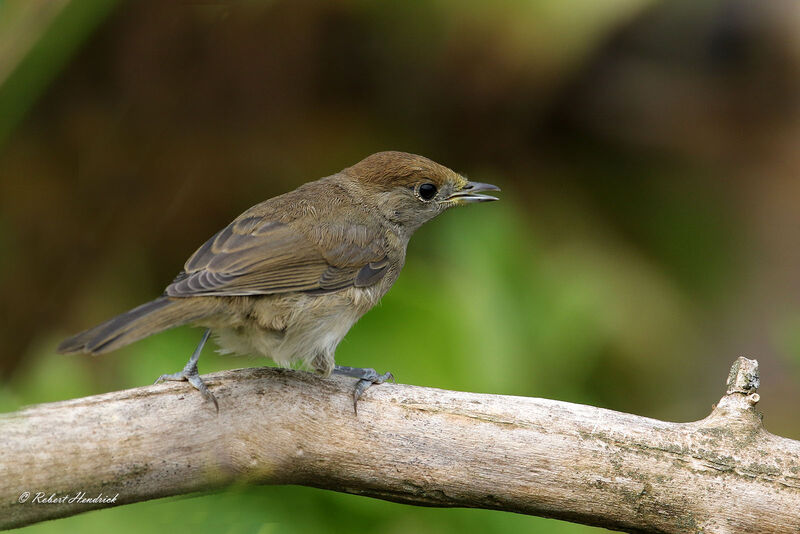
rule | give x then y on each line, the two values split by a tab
367	377
192	375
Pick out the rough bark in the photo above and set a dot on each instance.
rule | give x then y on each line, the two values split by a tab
416	445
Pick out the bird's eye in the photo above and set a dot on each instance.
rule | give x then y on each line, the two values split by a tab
427	191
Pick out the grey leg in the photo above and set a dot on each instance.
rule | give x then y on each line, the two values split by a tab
191	374
366	376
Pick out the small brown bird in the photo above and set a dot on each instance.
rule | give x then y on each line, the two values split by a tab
290	276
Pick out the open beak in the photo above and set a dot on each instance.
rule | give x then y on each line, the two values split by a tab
472	193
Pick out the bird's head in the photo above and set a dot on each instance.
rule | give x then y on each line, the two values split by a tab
410	190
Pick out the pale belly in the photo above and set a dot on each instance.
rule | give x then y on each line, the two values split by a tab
297	328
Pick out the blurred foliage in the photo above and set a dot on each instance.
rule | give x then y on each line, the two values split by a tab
287	509
36	38
646	234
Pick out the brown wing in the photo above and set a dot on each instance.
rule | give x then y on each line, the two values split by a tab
252	256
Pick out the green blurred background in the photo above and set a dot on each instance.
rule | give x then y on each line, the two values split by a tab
647	234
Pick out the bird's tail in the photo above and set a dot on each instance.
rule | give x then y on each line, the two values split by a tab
150	318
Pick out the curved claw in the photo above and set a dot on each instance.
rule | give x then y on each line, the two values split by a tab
200	386
366	376
365	383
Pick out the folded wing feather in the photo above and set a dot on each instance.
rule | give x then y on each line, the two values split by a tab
256	257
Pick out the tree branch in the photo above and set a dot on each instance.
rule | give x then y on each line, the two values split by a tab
409	444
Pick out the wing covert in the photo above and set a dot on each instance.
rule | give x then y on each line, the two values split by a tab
252	256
